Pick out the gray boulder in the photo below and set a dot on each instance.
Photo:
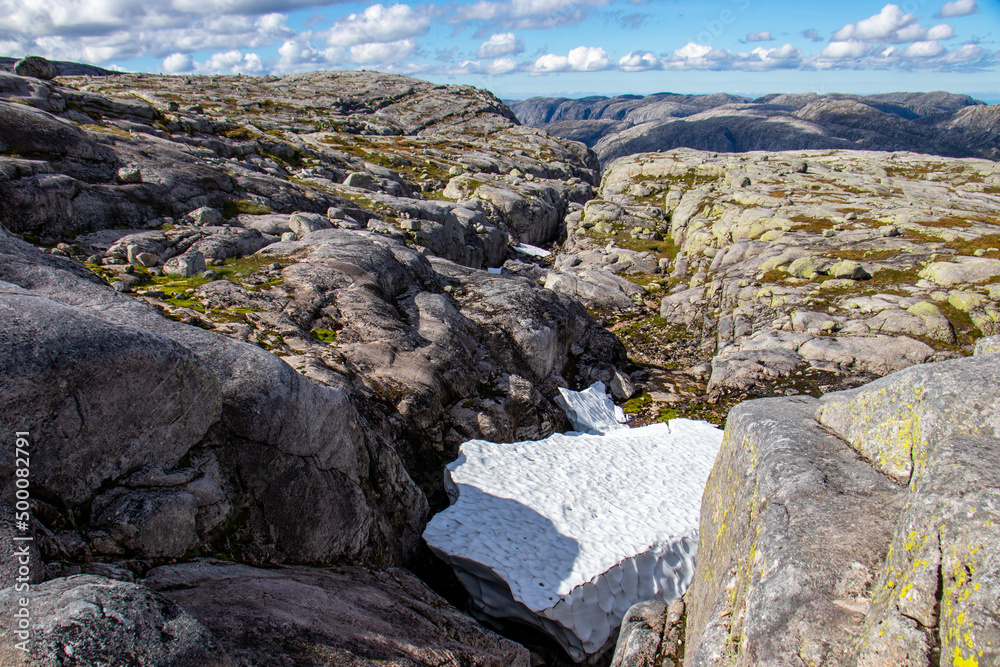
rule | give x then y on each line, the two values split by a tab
303	223
765	573
92	620
36	67
206	215
74	381
900	475
189	264
341	615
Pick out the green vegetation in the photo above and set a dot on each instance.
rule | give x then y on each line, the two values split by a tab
233	208
325	335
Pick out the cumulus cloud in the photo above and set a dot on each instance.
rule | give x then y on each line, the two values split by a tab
638	61
550	63
923	50
762	36
958	8
697	56
501	66
383	52
694	56
844	49
298	51
589	59
235	62
580	59
926	54
177	63
891	26
501	44
379	24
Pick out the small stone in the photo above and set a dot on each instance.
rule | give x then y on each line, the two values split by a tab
119	286
849	270
210	275
206	215
456	170
360	180
410	225
147	259
128	175
889	231
288	237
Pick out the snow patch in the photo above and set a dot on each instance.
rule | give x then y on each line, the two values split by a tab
568	532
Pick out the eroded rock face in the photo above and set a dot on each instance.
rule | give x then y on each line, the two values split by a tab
153	438
810	552
340	615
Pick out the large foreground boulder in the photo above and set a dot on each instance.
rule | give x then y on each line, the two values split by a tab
858	529
335	616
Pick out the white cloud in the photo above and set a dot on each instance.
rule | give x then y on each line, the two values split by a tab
502	66
589	59
762	36
177	63
638	61
383	52
958	8
923	50
379	24
844	49
879	28
782	57
580	59
235	62
967	53
692	50
298	51
549	63
943	31
891	26
500	44
526	14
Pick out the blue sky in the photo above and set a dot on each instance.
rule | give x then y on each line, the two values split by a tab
519	48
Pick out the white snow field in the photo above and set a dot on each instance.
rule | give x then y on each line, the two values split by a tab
567	533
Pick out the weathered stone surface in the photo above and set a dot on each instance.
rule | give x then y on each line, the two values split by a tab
771	588
965	270
894	421
309	478
339	615
987	345
74	380
91	620
936	599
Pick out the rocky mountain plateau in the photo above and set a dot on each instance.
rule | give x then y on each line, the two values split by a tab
247	321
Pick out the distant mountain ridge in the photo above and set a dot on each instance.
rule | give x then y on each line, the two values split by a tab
937	123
